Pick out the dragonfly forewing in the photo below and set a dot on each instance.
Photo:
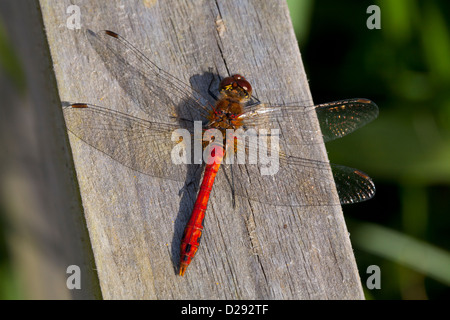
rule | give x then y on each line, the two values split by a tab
160	95
336	119
340	118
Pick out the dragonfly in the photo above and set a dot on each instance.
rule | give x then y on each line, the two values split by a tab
148	145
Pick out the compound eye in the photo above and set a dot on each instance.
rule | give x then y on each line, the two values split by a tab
226	83
245	85
238	77
238	84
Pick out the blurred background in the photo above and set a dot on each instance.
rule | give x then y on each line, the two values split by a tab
405	68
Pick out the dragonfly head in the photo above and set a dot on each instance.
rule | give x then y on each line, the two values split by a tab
236	87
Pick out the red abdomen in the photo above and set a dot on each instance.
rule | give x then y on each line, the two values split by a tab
194	228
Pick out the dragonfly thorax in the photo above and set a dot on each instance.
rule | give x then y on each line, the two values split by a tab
234	92
226	114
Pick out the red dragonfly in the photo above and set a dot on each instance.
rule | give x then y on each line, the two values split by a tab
148	145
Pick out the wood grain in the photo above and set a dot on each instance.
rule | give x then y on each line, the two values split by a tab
40	203
135	221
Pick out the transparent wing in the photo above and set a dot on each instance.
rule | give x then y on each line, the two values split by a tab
336	119
340	118
299	181
294	181
160	95
302	183
352	184
146	146
136	143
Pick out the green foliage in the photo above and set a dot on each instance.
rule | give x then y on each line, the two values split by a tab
9	62
405	69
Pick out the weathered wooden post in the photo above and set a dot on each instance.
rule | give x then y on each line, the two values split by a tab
135	221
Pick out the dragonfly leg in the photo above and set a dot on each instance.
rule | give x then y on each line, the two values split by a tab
254	101
233	193
193	179
211	93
